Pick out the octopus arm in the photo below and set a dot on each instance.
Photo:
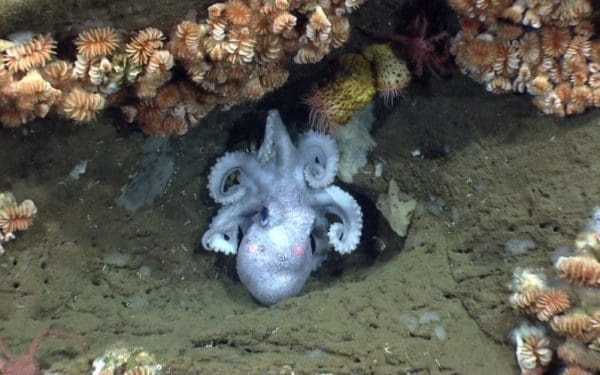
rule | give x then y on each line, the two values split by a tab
277	143
321	241
319	159
223	169
222	234
266	151
344	236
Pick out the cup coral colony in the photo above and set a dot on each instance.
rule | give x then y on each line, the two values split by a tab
540	47
237	54
563	309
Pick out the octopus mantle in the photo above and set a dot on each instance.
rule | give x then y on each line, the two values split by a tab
280	202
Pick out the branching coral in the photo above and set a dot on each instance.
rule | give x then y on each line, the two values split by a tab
237	54
570	311
541	47
14	217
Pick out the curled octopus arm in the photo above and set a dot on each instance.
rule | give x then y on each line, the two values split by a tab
222	234
277	144
344	236
221	173
319	159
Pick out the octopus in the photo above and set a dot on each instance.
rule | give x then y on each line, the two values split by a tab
282	201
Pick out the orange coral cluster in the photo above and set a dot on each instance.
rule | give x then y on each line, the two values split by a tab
14	217
542	47
32	85
24	94
237	54
534	13
571	312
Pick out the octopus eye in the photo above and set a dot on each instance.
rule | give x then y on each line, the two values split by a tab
264	215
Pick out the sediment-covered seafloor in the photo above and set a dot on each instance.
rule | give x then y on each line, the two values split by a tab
420	306
486	170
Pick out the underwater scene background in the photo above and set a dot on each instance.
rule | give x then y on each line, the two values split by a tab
426	203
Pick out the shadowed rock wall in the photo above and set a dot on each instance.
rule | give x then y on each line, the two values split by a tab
70	16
